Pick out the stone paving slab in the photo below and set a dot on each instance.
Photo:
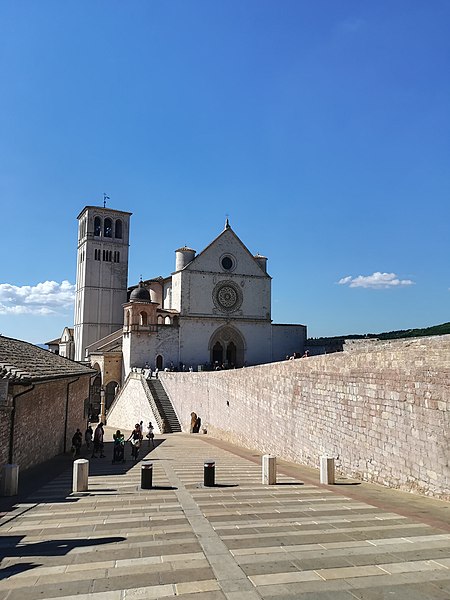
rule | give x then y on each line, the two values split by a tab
238	540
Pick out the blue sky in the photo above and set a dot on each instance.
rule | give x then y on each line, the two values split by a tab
321	128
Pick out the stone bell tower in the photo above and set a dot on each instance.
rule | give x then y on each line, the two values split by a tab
102	275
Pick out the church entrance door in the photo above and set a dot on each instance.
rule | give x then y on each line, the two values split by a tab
231	354
227	347
217	354
159	362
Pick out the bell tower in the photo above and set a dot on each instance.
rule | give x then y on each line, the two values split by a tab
102	275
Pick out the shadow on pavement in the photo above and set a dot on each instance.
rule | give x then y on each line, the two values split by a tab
11	547
32	480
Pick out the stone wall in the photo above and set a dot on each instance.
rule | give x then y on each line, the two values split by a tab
381	410
40	420
132	406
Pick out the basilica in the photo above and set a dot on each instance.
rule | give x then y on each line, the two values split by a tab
213	311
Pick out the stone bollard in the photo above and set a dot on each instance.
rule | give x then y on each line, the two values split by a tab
327	470
269	469
10	480
80	475
209	473
146	475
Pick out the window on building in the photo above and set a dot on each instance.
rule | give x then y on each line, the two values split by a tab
143	316
108	228
118	233
97	226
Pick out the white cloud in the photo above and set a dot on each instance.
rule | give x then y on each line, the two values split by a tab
46	298
376	281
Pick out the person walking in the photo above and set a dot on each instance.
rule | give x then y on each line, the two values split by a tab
98	441
151	435
135	439
88	434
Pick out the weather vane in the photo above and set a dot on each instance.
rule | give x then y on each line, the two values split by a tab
105	198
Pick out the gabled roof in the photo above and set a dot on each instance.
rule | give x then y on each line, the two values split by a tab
228	229
109	343
22	362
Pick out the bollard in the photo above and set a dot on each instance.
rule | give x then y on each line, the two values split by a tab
146	475
10	480
80	475
327	470
269	469
209	473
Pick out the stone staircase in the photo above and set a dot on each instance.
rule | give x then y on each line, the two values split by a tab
163	405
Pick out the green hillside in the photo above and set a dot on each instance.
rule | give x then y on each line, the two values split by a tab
388	335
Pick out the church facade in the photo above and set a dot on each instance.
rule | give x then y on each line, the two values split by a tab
212	311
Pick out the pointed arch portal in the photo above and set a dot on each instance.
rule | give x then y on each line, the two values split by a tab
227	347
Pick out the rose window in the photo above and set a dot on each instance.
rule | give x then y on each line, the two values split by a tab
227	296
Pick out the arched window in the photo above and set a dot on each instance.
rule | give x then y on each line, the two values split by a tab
167	321
108	228
143	316
118	233
127	318
160	320
97	226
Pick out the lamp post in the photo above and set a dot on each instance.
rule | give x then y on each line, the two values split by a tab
102	406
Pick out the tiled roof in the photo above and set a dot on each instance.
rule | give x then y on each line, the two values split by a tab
23	362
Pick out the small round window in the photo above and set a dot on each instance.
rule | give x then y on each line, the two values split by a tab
227	263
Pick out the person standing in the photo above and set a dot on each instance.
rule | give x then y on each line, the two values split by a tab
98	441
77	440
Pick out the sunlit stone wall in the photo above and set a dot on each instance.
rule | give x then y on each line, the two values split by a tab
382	409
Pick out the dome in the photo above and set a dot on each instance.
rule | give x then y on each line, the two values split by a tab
140	294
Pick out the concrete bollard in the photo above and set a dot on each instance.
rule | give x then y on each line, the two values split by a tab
209	473
269	469
327	470
80	475
10	480
146	475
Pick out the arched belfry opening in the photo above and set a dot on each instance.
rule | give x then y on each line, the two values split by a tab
227	347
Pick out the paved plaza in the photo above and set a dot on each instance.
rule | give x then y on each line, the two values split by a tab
236	540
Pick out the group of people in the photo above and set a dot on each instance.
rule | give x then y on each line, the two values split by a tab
95	439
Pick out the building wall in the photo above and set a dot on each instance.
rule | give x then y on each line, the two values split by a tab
39	420
383	413
5	420
194	285
143	347
287	339
197	289
195	336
